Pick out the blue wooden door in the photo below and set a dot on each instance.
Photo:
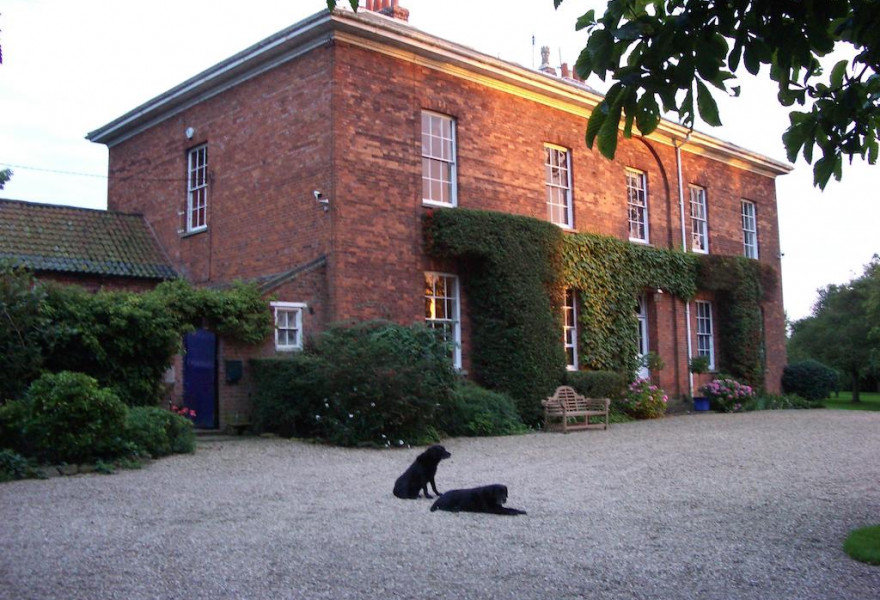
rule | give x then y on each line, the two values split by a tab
200	376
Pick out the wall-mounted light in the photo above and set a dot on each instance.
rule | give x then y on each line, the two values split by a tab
189	133
320	199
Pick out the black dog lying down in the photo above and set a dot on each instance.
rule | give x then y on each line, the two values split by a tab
485	499
419	474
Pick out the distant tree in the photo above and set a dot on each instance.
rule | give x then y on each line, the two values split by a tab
665	52
843	331
5	176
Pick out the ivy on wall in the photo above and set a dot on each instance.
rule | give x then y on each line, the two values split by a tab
609	274
740	285
515	269
510	267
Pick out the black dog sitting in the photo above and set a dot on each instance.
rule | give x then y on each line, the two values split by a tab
419	474
485	499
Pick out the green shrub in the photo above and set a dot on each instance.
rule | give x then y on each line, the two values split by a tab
13	417
15	466
475	411
289	393
597	384
372	383
159	432
643	400
809	379
71	419
863	544
24	330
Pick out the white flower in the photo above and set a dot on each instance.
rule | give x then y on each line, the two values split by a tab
350	416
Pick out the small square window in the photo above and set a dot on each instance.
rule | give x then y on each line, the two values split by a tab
288	325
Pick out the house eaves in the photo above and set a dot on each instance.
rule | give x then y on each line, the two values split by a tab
398	39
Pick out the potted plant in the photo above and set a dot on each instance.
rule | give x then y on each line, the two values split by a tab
699	365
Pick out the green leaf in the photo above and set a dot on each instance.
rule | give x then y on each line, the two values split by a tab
595	122
837	73
607	137
647	114
706	104
586	20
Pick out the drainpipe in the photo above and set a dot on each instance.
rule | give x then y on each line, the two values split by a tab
684	247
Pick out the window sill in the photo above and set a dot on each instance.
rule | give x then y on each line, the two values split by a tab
192	232
639	241
434	204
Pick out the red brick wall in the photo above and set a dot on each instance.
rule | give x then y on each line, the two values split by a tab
268	149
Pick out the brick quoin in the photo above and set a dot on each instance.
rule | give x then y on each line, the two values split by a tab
344	118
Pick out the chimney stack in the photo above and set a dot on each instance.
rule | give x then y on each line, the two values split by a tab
389	8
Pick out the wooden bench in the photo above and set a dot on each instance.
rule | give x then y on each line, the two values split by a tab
566	410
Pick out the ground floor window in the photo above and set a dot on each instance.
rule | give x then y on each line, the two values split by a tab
442	310
570	331
288	325
642	314
705	332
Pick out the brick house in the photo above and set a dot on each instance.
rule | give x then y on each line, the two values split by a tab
307	161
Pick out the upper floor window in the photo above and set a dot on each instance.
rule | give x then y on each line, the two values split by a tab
699	223
442	310
197	189
557	167
570	330
750	230
288	325
438	159
637	205
705	335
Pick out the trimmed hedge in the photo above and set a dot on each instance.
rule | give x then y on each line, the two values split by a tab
809	379
598	384
475	411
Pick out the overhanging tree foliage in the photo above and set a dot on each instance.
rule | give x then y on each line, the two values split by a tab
668	52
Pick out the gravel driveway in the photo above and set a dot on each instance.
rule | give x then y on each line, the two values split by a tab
701	506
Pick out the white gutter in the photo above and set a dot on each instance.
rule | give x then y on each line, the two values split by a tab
684	247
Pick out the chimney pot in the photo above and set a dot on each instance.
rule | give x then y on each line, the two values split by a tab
566	74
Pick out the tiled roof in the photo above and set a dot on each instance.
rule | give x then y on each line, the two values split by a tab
44	237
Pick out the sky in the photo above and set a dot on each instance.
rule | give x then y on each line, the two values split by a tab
72	67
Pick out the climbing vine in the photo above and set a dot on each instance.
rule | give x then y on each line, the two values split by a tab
510	267
609	274
515	269
740	285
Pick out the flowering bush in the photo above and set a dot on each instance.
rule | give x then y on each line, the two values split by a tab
183	411
727	395
643	400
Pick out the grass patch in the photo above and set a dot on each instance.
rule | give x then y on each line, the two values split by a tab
869	401
864	545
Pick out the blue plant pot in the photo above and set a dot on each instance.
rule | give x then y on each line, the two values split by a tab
701	404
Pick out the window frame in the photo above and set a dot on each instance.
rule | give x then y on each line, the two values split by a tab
704	333
700	222
570	329
555	186
197	188
428	158
749	228
639	192
453	323
296	308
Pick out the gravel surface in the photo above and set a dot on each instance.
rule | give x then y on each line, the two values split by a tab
708	506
